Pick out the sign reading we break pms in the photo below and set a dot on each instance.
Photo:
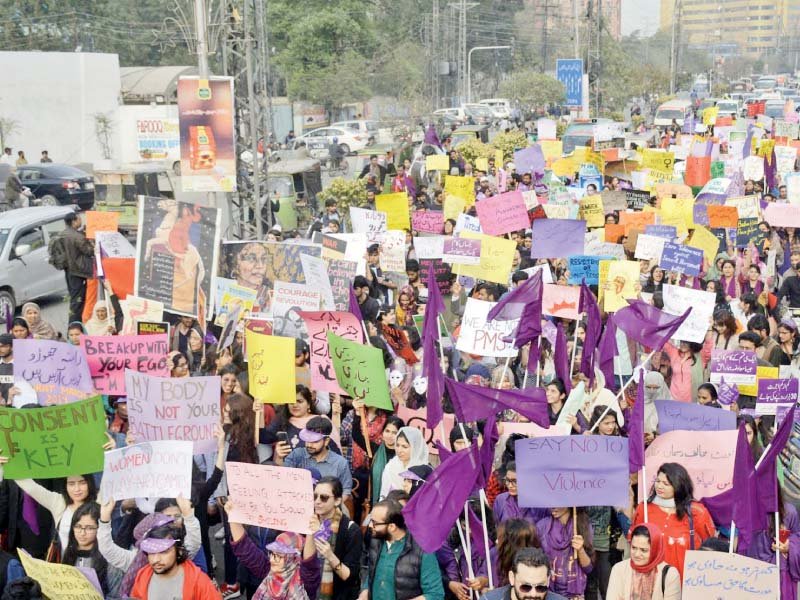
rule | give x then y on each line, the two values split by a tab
109	356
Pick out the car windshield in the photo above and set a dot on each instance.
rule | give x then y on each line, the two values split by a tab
669	113
281	184
479	111
728	106
4	233
62	171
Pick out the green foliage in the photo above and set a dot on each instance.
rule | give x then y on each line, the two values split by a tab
508	142
347	193
532	89
474	148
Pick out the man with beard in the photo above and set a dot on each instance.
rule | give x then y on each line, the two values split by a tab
529	578
316	454
169	575
396	567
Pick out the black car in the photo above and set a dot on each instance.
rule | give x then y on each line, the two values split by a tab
58	185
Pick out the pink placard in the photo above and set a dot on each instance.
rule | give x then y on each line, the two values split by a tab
427	221
417	418
275	497
561	300
503	213
318	324
531	429
782	215
108	357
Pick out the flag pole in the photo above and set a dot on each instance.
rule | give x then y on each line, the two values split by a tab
484	502
644	489
468	547
467	554
538	355
777	528
575	344
574	528
505	365
362	414
622	391
733	534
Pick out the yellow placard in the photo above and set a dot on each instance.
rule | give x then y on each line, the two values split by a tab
461	186
270	361
60	581
658	160
551	149
499	159
761	373
678	209
706	241
622	276
556	211
482	164
437	162
710	115
592	211
565	167
395	206
496	257
602	277
765	148
453	206
585	155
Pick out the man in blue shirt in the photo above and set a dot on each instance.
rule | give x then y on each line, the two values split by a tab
317	454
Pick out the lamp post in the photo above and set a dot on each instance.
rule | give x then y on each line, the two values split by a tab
469	66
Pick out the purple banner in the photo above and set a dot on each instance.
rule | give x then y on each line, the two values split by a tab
556	238
581	470
668	232
57	371
776	392
455	249
687	416
737	366
700	215
682	259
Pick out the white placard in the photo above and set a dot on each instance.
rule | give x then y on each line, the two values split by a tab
371	223
482	337
428	247
316	274
677	299
649	247
151	469
393	251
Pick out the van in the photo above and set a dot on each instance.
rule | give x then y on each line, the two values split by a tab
677	110
766	83
501	107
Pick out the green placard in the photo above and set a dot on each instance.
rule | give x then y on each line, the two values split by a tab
53	441
717	169
360	371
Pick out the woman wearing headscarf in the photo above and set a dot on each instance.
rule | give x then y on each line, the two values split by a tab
383	454
41	329
655	388
561	541
410	451
414	478
688	362
406	306
645	575
100	323
506	505
599	395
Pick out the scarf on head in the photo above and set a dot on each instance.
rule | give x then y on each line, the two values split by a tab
41	330
644	576
375	430
97	326
285	584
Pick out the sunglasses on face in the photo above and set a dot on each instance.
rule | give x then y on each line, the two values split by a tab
322	497
527	588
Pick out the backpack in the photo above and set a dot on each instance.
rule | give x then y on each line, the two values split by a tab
57	252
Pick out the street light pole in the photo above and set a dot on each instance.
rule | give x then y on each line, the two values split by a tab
469	66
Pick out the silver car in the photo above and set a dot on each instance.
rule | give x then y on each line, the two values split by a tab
25	273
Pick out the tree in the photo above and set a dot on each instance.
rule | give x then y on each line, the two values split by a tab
7	128
532	89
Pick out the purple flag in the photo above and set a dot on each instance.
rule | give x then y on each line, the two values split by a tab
435	507
727	394
606	351
646	324
490	438
533	357
523	303
431	367
771	170
636	429
594	323
473	403
766	473
561	358
431	137
748	142
355	308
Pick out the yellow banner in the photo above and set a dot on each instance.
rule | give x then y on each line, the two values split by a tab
463	187
678	209
496	257
622	276
658	160
592	211
60	581
453	206
270	361
710	115
706	241
585	155
551	148
396	208
437	162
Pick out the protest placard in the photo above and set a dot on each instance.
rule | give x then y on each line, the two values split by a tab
441	273
165	408
668	232
623	275
418	419
372	223
393	251
97	220
341	274
677	299
463	187
160	469
317	278
503	213
782	215
318	324
637	199
636	220
289	299
271	367
496	257
57	371
468	223
57	581
722	216
152	328
747	207
428	247
584	268
114	244
555	238
649	247
748	231
559	211
485	338
136	309
461	251
531	429
396	208
711	575
574	402
53	441
681	259
775	393
736	366
658	160
547	275
279	498
427	221
708	456
572	471
453	206
592	210
109	356
686	416
229	296
679	209
437	162
560	301
360	371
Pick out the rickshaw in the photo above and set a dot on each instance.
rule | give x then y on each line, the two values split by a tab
119	191
297	181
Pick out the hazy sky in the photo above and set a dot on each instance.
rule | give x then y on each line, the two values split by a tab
640	14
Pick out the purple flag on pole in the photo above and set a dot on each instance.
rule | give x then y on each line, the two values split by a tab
473	403
431	367
431	137
561	358
490	438
523	303
606	351
770	170
435	507
647	324
354	307
594	324
748	142
636	429
766	472
533	357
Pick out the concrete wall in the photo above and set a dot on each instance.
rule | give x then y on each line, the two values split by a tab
53	97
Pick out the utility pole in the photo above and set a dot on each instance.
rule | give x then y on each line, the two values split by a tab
576	28
253	114
201	32
544	34
437	56
462	7
675	46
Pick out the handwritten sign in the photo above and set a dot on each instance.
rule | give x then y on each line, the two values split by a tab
636	220
135	309
160	469
271	367
57	371
649	247
461	251
463	187
710	575
396	208
592	211
637	199
584	268
318	324
560	301
722	216
274	497
622	277
360	371
182	408
503	213
97	220
555	238
115	245
341	274
496	257
774	393
427	221
736	366
372	223
695	327
783	215
57	580
658	160
532	429
748	231
668	232
687	416
393	251
418	419
53	441
572	471
485	338
681	259
708	456
109	356
437	162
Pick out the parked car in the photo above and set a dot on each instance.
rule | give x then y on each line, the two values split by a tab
55	184
25	273
382	135
318	140
450	117
501	107
728	108
481	114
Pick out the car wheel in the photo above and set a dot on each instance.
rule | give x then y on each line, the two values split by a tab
345	148
7	304
48	200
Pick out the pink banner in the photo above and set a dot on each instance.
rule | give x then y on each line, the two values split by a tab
503	213
417	418
109	356
782	215
318	324
427	221
561	300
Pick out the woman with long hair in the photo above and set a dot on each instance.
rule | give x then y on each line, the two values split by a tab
729	280
645	575
512	535
82	549
724	326
787	341
561	540
291	419
688	361
406	306
751	430
672	509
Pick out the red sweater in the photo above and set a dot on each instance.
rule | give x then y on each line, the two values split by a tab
196	584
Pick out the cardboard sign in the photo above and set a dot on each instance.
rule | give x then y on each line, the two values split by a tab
135	309
418	419
291	298
503	213
681	259
57	580
709	575
555	238
57	371
560	301
371	223
97	220
427	221
317	278
181	408
396	208
774	393
393	251
485	338
722	216
706	241
649	247
736	366
623	275
591	209
341	274
461	251
572	471
150	469
360	371
667	232
279	498
437	162
496	257
686	416
695	327
271	368
463	187
53	441
637	199
109	357
318	324
584	268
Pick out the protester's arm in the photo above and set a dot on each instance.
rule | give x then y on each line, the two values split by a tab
193	540
52	501
116	556
211	484
251	556
346	478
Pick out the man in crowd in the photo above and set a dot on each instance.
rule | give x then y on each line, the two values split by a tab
529	578
71	252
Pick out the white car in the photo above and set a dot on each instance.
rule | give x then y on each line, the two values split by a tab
382	135
318	140
501	108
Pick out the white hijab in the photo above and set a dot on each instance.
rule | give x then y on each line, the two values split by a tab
391	479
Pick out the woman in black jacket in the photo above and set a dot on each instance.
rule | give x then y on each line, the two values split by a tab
338	541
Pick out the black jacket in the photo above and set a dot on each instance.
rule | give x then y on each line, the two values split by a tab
19	534
348	547
407	582
80	253
790	289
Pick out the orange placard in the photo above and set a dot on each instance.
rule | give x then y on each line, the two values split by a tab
614	232
639	220
119	273
99	220
698	170
722	216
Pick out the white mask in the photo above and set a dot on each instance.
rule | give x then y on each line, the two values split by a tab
420	384
395	379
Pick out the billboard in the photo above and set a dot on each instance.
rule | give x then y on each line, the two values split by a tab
569	71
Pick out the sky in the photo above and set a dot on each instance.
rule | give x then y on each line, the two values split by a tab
640	14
